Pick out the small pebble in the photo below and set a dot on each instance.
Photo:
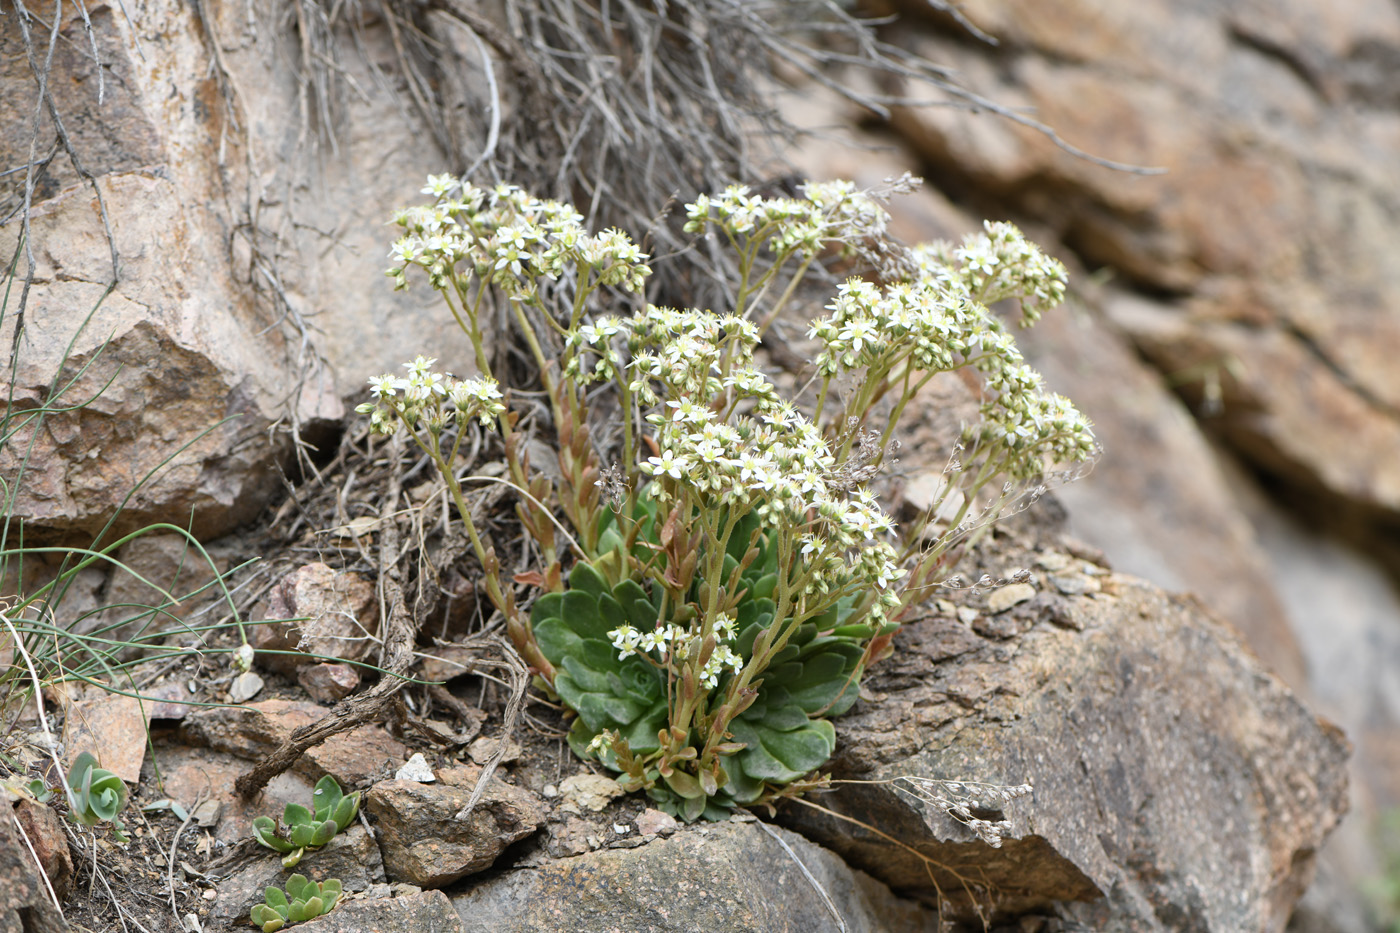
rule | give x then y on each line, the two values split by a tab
207	814
245	686
1002	599
550	791
1074	584
588	791
654	822
416	769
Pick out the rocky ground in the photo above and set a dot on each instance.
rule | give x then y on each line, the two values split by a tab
1231	332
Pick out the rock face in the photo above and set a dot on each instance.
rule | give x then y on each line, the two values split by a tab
1160	502
231	229
1178	786
727	876
1273	226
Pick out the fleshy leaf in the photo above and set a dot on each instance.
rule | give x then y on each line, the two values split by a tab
325	797
266	832
296	815
324	833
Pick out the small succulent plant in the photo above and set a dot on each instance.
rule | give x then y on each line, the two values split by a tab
97	795
782	734
308	829
303	900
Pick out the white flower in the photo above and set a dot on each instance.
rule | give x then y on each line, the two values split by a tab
668	463
626	640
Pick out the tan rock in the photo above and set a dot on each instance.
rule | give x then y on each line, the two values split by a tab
43	833
231	233
1270	214
654	822
197	775
327	683
1004	597
1159	500
353	758
112	728
24	898
339	612
423	840
588	792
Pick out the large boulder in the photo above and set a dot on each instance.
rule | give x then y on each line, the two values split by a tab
732	876
1177	784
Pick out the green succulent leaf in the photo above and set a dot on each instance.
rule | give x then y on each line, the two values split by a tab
297	886
297	815
325	797
685	785
693	808
268	919
345	810
583	578
302	835
265	831
785	756
82	765
274	896
98	794
292	858
324	833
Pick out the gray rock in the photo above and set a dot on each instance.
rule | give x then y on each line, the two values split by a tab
423	840
730	877
1178	785
423	912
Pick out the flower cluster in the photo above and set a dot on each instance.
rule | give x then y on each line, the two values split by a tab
939	320
673	642
924	323
507	237
1031	424
995	265
738	557
726	438
827	211
429	400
